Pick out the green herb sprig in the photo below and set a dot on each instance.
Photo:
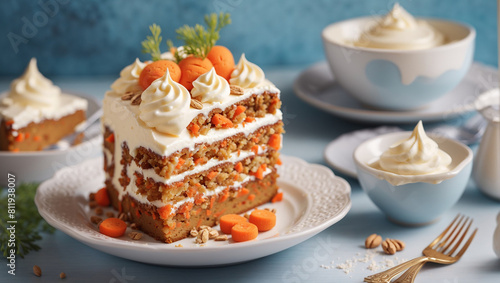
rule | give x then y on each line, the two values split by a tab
198	40
152	43
29	224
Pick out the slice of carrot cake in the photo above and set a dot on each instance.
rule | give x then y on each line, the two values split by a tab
188	140
35	114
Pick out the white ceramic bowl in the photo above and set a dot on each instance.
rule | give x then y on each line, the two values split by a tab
38	166
398	79
421	201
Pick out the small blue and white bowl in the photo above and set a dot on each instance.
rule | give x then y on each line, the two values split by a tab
424	197
398	79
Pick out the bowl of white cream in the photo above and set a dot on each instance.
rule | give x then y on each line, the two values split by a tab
398	62
413	177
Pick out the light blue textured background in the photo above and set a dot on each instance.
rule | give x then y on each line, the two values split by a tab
99	37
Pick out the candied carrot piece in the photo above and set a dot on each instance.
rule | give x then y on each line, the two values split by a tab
198	160
238	167
260	172
243	191
279	161
227	222
20	137
191	192
113	227
224	122
165	211
249	119
224	197
212	175
275	141
277	197
265	220
251	197
111	138
180	163
244	231
239	109
199	199
212	200
186	207
102	197
255	149
194	129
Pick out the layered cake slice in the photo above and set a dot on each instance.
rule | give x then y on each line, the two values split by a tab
35	114
188	148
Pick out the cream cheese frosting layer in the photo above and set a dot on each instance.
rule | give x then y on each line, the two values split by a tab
137	133
400	30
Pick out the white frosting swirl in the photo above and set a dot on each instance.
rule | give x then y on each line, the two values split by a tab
33	89
164	104
400	30
246	74
129	77
210	87
417	155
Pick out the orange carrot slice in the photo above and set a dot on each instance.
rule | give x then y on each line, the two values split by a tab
113	227
244	231
102	197
265	220
229	220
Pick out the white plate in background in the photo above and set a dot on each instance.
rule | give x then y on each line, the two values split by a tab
317	86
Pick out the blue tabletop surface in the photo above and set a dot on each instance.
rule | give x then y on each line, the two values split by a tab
308	131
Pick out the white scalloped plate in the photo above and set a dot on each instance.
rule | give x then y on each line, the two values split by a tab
314	199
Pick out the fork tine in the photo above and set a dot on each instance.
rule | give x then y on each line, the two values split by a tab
438	238
460	227
443	242
466	245
459	241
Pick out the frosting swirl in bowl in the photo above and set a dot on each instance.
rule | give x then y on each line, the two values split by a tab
164	104
400	30
417	155
33	89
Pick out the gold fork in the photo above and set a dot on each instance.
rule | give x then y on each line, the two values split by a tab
437	252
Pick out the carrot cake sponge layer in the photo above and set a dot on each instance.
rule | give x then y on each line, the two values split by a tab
35	114
176	158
